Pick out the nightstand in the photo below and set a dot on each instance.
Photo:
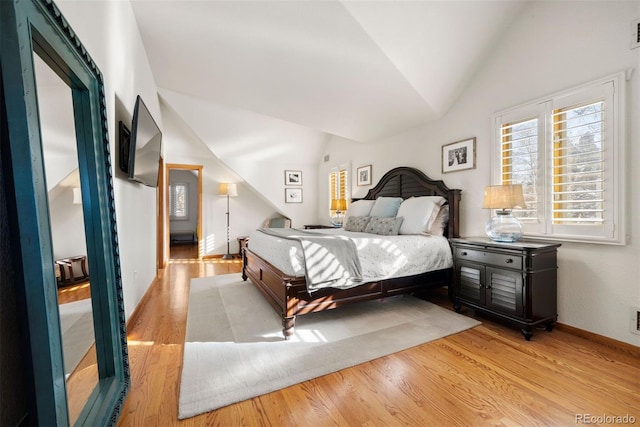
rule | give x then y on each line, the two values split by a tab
514	281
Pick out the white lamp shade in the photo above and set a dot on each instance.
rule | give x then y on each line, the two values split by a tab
227	189
504	197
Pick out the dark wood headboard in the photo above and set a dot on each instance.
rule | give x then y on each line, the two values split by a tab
408	182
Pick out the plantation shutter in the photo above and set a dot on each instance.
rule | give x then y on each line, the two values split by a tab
587	163
333	185
342	184
519	163
578	164
178	195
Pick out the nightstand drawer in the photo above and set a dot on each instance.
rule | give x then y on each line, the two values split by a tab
489	258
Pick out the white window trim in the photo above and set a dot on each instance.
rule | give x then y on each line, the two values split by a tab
613	231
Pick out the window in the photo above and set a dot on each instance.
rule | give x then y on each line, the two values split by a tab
567	152
179	201
338	189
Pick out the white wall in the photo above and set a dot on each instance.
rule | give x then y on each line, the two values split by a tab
258	148
247	211
109	32
552	46
67	224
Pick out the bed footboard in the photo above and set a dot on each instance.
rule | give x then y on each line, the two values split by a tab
274	285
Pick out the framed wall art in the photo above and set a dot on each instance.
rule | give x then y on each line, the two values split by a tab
292	177
363	175
459	155
293	195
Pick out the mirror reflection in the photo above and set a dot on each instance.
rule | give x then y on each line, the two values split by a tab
60	155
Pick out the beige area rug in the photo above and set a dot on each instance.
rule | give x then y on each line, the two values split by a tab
76	325
234	348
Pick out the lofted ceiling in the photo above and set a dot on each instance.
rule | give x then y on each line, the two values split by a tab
360	70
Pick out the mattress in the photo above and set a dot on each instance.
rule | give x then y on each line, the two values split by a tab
383	257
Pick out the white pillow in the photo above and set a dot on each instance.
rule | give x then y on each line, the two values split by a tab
419	213
437	228
359	208
386	207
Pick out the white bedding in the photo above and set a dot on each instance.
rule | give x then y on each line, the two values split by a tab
380	256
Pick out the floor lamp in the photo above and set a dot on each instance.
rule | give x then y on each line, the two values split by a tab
229	190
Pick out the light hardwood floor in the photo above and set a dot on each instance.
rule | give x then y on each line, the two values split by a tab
488	375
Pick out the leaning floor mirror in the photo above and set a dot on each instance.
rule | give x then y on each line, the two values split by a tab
45	70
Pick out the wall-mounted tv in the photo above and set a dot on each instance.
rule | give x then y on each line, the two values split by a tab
124	143
145	147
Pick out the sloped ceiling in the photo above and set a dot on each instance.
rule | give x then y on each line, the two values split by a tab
359	70
60	152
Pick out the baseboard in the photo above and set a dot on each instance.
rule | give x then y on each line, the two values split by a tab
600	339
187	237
136	311
219	256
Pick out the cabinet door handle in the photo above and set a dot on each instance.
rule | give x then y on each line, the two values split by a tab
509	260
463	253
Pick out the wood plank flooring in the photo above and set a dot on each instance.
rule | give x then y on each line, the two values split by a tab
485	376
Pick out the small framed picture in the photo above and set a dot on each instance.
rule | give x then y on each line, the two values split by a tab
459	155
293	195
292	177
363	174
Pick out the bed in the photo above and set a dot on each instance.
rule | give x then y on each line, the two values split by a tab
287	291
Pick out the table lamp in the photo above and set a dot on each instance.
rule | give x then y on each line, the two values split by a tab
503	227
338	206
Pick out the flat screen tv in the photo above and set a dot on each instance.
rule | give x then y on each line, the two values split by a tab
123	154
145	146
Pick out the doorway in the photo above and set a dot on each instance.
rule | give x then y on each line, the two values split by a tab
183	211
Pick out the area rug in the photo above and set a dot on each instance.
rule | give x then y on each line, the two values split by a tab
76	325
234	349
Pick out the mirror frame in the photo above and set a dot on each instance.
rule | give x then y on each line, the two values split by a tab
29	27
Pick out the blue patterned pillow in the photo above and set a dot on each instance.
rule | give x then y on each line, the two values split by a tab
385	226
357	223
